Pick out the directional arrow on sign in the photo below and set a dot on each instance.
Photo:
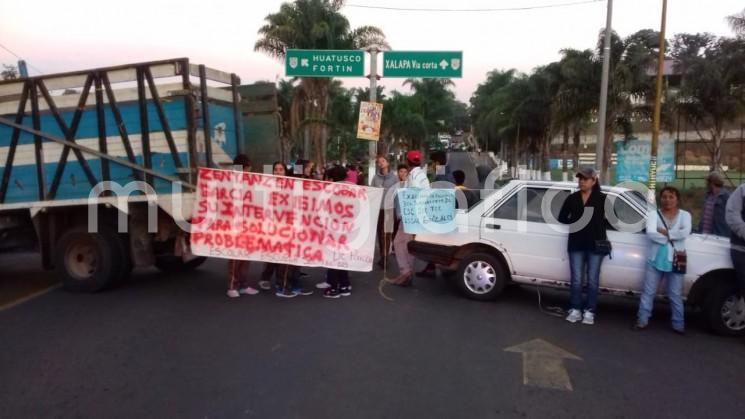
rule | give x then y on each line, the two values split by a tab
444	64
543	364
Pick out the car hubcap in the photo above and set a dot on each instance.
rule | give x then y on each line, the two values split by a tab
733	312
479	277
81	260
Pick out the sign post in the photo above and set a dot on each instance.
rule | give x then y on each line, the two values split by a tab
426	64
324	63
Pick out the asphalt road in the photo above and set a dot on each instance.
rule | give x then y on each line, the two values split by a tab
462	161
175	346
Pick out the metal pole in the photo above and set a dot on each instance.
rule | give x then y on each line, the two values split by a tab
600	143
373	150
657	107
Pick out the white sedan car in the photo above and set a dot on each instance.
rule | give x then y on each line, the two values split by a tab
512	236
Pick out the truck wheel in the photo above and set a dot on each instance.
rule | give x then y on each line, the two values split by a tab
725	310
88	262
480	276
172	263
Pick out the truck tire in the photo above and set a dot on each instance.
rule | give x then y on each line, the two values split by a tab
724	311
481	276
88	262
172	264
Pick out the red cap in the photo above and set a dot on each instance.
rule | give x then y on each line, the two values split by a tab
414	156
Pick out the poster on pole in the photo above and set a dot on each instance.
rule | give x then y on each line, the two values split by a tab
368	127
430	211
278	219
633	160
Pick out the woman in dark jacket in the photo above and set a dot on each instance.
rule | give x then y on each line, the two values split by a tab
588	243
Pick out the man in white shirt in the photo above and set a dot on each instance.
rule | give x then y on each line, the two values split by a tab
417	179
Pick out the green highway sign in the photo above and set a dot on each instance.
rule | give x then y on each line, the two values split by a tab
324	63
423	64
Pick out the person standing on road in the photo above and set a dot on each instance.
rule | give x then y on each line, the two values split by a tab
338	280
386	179
238	269
712	216
735	216
287	283
667	229
460	179
417	178
588	243
443	179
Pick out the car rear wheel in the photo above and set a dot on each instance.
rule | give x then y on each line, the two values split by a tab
725	310
481	276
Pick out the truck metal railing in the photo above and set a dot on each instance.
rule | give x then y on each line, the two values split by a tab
144	75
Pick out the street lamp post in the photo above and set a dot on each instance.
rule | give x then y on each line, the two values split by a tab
603	109
652	181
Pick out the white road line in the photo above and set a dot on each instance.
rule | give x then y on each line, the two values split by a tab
28	297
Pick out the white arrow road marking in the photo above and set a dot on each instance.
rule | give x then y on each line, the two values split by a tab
543	364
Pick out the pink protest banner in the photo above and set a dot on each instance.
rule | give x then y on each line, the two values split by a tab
253	216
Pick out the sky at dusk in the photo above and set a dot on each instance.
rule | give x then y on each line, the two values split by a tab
78	34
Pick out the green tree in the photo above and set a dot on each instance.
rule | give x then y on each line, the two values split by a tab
9	72
712	92
737	23
435	102
630	87
403	125
314	24
576	98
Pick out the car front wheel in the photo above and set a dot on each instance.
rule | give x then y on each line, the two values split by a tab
481	276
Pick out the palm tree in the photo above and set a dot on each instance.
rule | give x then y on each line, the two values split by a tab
436	102
737	23
289	98
314	24
576	99
403	124
712	92
629	85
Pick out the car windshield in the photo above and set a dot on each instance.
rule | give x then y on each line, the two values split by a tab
637	198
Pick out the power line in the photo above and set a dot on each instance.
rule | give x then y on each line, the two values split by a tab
502	9
19	57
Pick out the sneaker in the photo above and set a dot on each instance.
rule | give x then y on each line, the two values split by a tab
345	291
233	294
265	285
588	317
574	316
323	285
285	293
248	291
332	293
302	291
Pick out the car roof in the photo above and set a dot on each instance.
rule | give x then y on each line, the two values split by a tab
568	185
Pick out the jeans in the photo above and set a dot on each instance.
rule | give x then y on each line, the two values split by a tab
674	294
581	262
738	261
337	278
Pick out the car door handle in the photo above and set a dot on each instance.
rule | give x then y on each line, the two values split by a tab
494	226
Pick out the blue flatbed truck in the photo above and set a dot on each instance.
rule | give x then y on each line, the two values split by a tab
114	145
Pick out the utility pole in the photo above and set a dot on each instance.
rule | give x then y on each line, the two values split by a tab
652	181
373	150
600	143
